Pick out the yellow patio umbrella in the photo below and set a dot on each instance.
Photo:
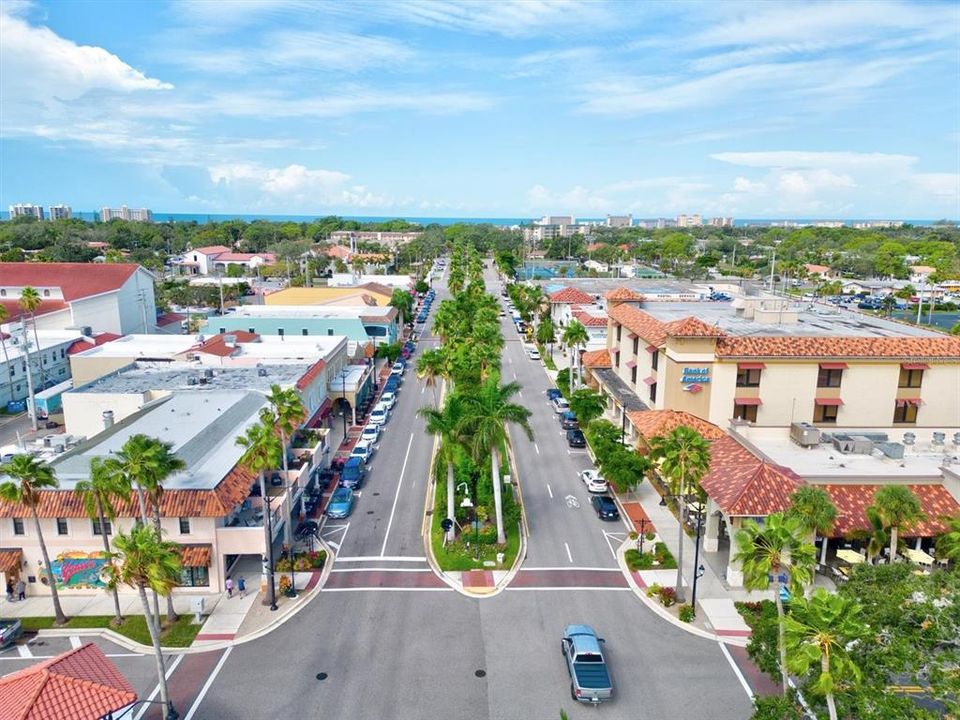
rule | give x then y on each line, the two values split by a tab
850	556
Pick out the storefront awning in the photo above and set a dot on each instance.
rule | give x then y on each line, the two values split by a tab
614	351
652	348
195	555
649	380
10	559
833	366
747	401
914	366
903	402
828	401
751	366
632	364
632	336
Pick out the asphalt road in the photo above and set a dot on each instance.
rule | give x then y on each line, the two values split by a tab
389	641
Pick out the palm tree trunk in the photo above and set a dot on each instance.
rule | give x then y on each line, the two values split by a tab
497	497
680	506
57	610
106	549
450	501
824	669
158	653
172	616
570	349
287	508
781	635
893	543
143	504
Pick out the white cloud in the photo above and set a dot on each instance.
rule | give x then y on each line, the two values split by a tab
808	182
40	66
742	184
578	200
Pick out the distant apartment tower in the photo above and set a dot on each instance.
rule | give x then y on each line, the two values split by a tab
125	213
689	220
60	212
720	222
557	220
619	221
878	224
26	210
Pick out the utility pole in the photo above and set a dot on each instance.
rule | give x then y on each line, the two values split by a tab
31	402
773	265
920	301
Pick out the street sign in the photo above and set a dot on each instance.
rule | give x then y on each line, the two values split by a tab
446	524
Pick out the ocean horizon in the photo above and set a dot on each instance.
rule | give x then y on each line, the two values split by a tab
202	218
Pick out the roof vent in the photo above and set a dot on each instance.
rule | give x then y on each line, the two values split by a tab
191	381
956	439
909	438
938	438
262	372
208	373
107	419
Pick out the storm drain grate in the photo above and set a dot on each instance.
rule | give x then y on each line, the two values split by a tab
321	676
480	673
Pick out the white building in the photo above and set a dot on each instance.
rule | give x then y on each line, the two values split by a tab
26	210
125	213
689	220
109	297
60	212
49	365
618	221
404	282
214	259
720	222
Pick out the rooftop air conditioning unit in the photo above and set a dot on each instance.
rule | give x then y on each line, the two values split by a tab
938	438
853	444
909	438
892	450
202	380
208	373
262	372
191	381
804	434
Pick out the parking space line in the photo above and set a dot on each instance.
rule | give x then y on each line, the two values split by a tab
396	497
550	491
208	683
75	641
24	652
569	556
382	558
537	448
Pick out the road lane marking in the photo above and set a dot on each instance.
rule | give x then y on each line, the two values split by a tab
569	556
550	490
567	568
537	448
617	536
379	569
381	558
736	670
75	641
520	393
422	388
23	651
383	550
208	683
567	588
156	690
393	589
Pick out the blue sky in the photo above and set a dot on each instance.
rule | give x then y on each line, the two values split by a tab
511	108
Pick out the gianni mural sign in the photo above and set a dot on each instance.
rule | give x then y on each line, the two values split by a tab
79	570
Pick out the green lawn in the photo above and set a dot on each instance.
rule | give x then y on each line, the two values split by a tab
180	634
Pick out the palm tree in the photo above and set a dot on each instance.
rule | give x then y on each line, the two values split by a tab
488	412
29	301
546	333
574	335
446	425
262	452
877	537
137	461
142	561
776	548
166	464
32	477
432	367
403	302
455	278
816	511
948	544
587	405
818	632
684	458
897	506
289	411
98	495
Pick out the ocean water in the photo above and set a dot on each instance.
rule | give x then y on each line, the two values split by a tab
507	221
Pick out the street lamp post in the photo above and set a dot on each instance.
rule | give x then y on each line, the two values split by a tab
698	569
343	402
268	524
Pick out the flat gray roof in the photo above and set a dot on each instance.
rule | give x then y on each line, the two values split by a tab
201	426
144	376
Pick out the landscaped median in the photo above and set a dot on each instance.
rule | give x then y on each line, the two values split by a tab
134	627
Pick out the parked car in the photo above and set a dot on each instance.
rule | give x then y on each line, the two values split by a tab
353	473
379	414
370	433
341	504
560	405
533	354
306	529
605	506
10	630
575	438
553	393
589	677
389	399
568	421
392	384
594	481
363	450
398	368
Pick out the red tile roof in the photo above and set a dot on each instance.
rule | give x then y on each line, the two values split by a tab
75	280
596	359
589	319
811	268
96	341
211	249
338	251
743	485
244	257
310	375
81	684
169	319
624	294
840	347
852	502
195	555
217	344
10	559
379	288
639	322
571	295
14	312
651	423
692	327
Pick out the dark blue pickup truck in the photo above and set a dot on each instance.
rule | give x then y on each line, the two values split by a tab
589	678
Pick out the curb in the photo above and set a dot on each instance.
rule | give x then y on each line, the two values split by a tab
658	609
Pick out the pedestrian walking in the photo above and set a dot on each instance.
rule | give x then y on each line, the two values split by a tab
229	585
21	589
242	586
9	590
